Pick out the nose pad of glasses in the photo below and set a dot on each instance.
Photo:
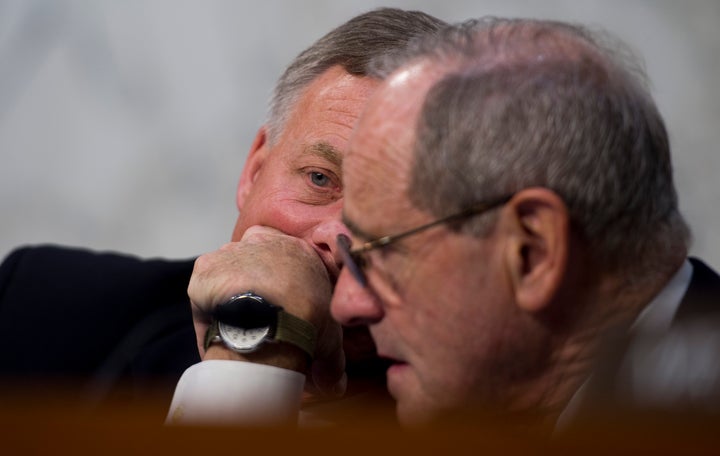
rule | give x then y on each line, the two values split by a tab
344	244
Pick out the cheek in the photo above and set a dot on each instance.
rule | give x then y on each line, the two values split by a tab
440	333
281	209
461	317
276	212
449	326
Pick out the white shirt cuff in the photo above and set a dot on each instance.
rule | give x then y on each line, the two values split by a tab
236	392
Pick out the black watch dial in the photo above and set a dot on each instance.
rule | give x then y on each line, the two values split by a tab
247	311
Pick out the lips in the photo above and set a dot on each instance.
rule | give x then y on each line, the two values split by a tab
387	349
391	361
396	376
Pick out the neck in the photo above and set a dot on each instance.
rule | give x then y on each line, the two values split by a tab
582	336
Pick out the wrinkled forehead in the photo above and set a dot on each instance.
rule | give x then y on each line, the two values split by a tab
328	109
376	169
385	131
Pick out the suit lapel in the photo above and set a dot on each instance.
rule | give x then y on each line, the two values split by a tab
703	293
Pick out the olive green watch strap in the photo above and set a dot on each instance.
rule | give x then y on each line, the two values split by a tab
212	335
296	331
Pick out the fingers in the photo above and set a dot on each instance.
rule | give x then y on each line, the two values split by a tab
286	271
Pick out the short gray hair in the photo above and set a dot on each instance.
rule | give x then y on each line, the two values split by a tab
351	45
527	103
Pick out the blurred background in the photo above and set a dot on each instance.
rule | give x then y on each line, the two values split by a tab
124	125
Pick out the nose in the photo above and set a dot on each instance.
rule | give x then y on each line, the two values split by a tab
353	304
324	240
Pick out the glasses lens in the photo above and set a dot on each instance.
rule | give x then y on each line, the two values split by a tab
349	260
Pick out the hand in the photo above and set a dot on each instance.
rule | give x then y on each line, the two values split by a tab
289	273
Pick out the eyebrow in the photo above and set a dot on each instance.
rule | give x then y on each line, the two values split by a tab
326	151
355	229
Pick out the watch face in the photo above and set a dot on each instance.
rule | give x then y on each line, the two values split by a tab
240	339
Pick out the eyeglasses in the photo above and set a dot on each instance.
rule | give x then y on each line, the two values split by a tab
354	260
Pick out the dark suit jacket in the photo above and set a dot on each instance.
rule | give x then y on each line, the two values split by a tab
101	321
668	374
702	299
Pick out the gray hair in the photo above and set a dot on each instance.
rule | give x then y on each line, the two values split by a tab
528	103
351	45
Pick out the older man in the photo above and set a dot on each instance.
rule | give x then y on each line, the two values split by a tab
114	320
283	251
510	196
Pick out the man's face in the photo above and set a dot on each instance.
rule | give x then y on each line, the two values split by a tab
434	303
295	185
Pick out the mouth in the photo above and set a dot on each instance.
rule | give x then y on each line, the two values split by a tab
396	376
392	363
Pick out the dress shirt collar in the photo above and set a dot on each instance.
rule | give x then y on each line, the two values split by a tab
658	315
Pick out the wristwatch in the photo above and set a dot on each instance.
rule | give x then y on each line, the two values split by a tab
246	321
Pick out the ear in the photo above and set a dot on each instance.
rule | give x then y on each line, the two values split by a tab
538	246
253	164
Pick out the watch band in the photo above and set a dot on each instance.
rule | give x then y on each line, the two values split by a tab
296	331
212	335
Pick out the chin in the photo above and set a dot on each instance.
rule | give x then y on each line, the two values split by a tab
415	416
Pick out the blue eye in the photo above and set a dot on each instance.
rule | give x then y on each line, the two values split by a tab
319	179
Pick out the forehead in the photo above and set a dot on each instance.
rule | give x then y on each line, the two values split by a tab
378	164
325	114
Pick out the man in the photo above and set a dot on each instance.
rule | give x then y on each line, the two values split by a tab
510	196
290	191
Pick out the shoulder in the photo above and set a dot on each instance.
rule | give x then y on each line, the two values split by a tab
702	297
703	273
49	277
53	263
51	256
